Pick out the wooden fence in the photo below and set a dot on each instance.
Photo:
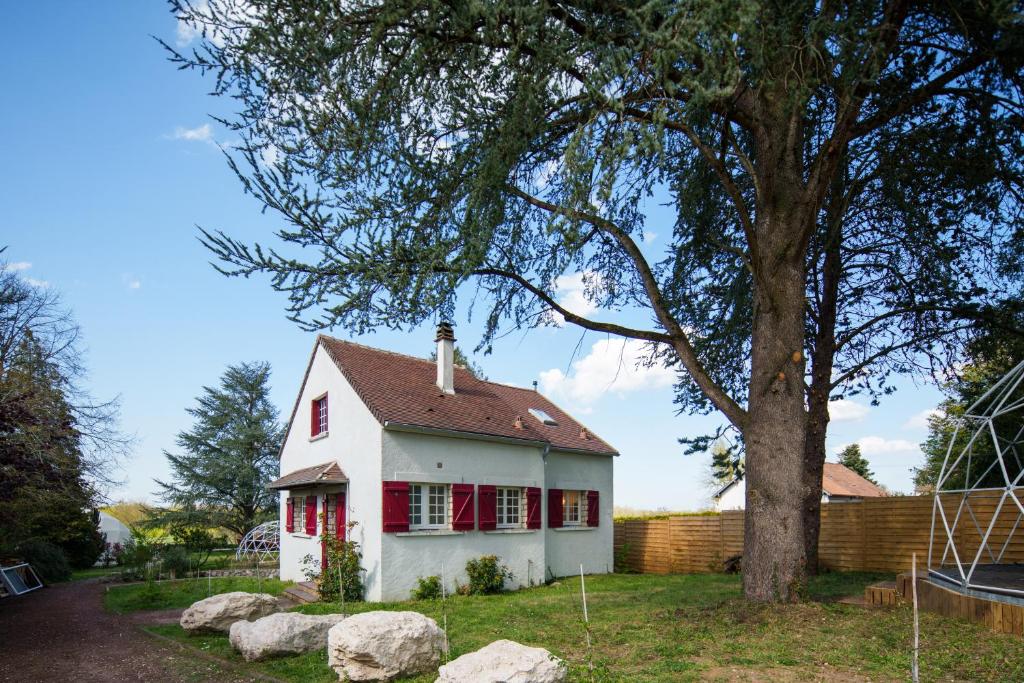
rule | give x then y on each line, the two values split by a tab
876	534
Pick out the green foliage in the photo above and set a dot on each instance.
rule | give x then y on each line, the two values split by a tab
47	559
174	559
427	588
987	367
136	556
196	541
727	462
621	559
852	458
343	565
465	361
486	575
230	455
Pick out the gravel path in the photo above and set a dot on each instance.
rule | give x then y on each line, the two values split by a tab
62	633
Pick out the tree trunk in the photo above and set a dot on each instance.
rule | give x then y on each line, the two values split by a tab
823	350
773	556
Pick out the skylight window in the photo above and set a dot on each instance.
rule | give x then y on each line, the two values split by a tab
543	417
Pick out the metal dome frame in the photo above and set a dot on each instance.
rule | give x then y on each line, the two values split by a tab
261	543
1002	399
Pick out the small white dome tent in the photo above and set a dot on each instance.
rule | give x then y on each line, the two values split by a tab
261	543
114	529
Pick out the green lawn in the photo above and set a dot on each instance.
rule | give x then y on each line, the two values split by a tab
180	594
93	572
694	627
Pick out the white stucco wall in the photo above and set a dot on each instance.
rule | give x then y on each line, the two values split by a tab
415	458
568	547
354	441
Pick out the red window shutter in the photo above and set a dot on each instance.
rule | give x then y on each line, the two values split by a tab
593	509
311	515
314	419
554	508
289	518
462	506
532	507
488	507
396	506
339	516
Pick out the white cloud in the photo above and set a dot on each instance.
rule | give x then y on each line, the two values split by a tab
21	267
879	445
240	15
37	283
847	411
649	236
201	133
17	266
131	282
610	367
920	420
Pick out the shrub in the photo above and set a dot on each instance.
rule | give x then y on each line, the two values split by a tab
343	563
196	541
486	575
175	559
136	555
428	588
48	560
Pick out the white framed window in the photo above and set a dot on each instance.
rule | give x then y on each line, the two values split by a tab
573	510
320	406
510	511
428	506
299	515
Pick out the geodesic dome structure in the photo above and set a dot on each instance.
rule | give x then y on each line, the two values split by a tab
979	497
261	543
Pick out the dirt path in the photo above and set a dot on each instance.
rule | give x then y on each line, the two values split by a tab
62	633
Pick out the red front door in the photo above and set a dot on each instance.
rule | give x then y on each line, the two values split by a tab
334	516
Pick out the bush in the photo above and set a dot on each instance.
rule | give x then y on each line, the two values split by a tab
428	588
48	560
196	541
343	563
138	552
175	559
486	576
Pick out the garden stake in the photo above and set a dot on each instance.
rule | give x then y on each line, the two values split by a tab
586	623
914	668
444	614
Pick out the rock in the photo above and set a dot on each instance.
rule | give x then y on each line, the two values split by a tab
504	661
379	646
283	633
217	613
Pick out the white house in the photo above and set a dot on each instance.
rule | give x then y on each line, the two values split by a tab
436	467
838	484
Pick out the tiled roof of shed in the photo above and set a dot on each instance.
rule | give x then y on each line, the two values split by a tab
401	389
839	480
327	473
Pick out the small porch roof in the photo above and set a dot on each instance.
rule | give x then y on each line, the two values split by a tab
327	473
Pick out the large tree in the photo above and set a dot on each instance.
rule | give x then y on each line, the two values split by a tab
228	456
416	147
56	444
851	458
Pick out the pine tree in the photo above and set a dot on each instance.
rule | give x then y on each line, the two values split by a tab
413	149
228	456
851	458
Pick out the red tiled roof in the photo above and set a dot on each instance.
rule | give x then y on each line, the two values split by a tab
839	480
401	389
327	473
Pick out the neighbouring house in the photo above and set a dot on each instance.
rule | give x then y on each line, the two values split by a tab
838	484
436	467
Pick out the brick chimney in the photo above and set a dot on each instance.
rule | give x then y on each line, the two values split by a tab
445	358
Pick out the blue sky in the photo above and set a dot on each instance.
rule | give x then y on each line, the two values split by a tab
110	163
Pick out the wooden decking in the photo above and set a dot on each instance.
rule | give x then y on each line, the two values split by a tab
882	594
1005	615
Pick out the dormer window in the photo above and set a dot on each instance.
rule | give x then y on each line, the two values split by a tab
319	416
543	417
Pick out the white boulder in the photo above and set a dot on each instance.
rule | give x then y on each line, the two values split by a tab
217	613
379	646
283	633
504	661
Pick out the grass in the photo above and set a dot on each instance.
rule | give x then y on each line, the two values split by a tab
693	627
180	594
93	572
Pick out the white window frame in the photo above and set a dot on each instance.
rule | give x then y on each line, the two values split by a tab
420	505
581	511
502	507
322	408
